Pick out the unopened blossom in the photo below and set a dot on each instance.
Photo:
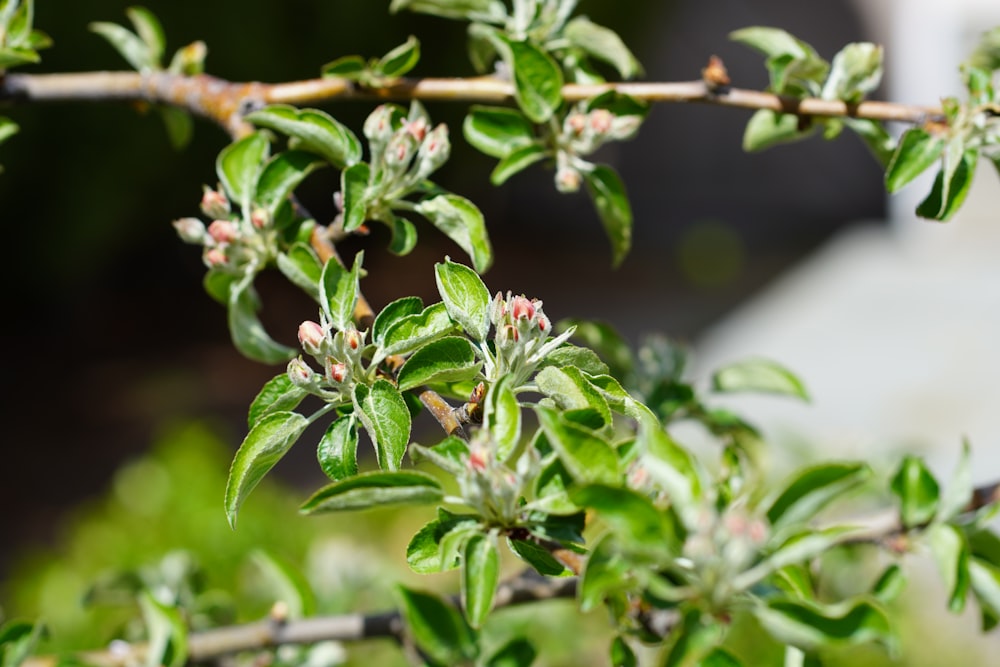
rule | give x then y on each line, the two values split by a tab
299	372
215	257
214	204
311	336
191	230
222	231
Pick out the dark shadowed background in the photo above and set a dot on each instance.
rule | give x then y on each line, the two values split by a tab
109	335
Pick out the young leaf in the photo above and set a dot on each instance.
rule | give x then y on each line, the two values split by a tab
984	578
622	654
959	492
951	553
951	186
518	652
353	186
480	577
239	165
149	29
338	449
811	626
383	412
768	128
277	395
498	131
339	291
856	71
605	573
463	223
568	387
448	359
347	67
516	161
810	490
758	375
917	150
179	126
697	636
537	557
465	297
638	524
424	551
302	268
450	454
311	130
247	332
611	202
17	641
372	489
602	43
452	9
401	59
502	417
265	444
438	629
167	644
129	45
281	175
404	235
393	313
587	457
917	491
538	80
412	331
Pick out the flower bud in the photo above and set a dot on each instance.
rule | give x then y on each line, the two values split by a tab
379	124
567	179
336	371
543	323
299	373
521	307
222	231
214	257
478	458
417	128
601	120
353	339
191	230
259	218
575	123
434	151
400	149
311	337
625	127
214	204
507	336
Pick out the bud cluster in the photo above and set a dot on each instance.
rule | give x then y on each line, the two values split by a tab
521	336
489	486
585	131
404	151
228	241
724	544
339	353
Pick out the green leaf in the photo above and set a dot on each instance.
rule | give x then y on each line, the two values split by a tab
439	631
538	80
890	584
465	297
516	161
879	142
917	150
570	390
281	175
277	395
347	67
373	489
18	640
338	449
611	202
404	236
856	71
128	45
392	314
339	290
302	268
950	186
265	444
11	57
412	331
247	332
218	284
603	44
354	186
810	490
697	636
288	584
423	554
984	579
498	131
956	497
773	42
672	466
917	491
401	59
606	572
768	128
582	358
463	223
448	359
587	457
622	654
502	417
518	652
758	375
450	454
167	644
311	130
537	557
179	126
383	412
149	29
239	165
801	547
951	553
811	626
480	577
452	9
639	526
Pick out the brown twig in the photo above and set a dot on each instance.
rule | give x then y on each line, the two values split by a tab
213	644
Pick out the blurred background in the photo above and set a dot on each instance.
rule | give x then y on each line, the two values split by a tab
112	341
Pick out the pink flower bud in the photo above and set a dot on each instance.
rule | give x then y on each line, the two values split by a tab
191	230
299	372
543	323
311	336
214	204
478	458
521	307
353	339
576	122
509	335
215	257
259	218
223	231
336	372
379	127
401	148
567	179
601	120
417	128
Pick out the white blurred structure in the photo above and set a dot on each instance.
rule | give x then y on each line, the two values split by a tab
895	329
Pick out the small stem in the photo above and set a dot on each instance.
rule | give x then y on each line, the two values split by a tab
443	413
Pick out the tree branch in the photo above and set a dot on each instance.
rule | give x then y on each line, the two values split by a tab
218	642
225	102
